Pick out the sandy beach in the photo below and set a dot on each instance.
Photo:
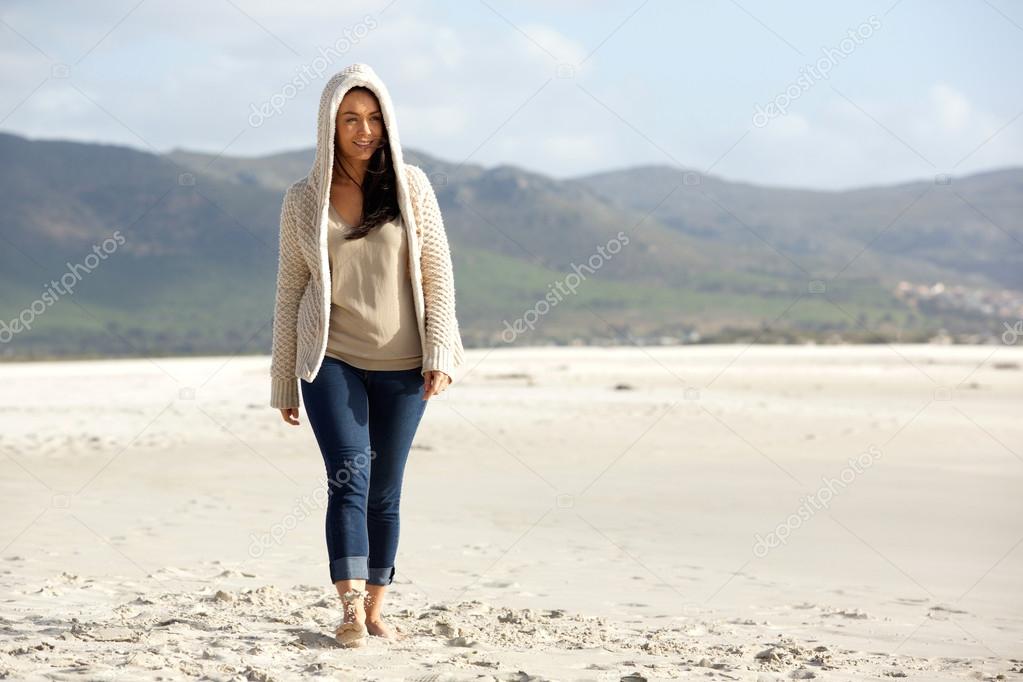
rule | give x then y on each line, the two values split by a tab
701	512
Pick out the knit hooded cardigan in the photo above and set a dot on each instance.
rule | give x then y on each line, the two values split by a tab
302	303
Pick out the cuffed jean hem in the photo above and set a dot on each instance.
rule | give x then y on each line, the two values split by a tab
349	568
381	576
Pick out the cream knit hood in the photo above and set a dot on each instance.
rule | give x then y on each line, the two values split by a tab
334	91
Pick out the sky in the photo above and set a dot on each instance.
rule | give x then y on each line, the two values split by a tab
820	95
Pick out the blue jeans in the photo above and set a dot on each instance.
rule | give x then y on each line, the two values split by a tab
364	422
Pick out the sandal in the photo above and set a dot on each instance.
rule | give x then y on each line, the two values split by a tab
353	634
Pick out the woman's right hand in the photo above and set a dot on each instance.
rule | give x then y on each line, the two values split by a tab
290	415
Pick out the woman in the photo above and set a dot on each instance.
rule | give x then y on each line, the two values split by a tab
364	329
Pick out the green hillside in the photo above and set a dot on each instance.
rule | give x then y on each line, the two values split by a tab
195	269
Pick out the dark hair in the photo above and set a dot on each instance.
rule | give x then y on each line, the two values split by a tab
379	186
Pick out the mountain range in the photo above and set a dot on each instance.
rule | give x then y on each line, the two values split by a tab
107	250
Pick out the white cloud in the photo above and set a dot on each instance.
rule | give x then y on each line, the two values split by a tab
952	108
833	144
426	121
552	44
470	87
556	152
791	125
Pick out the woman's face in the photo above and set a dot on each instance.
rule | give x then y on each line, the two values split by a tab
359	125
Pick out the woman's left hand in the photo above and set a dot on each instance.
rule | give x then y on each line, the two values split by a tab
434	383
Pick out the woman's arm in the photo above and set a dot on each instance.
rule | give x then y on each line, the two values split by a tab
292	276
443	347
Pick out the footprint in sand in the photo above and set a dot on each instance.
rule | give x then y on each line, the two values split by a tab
942	612
855	614
912	601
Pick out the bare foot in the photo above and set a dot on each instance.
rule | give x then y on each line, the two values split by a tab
380	629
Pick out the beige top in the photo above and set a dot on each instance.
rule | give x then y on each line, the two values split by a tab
302	300
373	321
